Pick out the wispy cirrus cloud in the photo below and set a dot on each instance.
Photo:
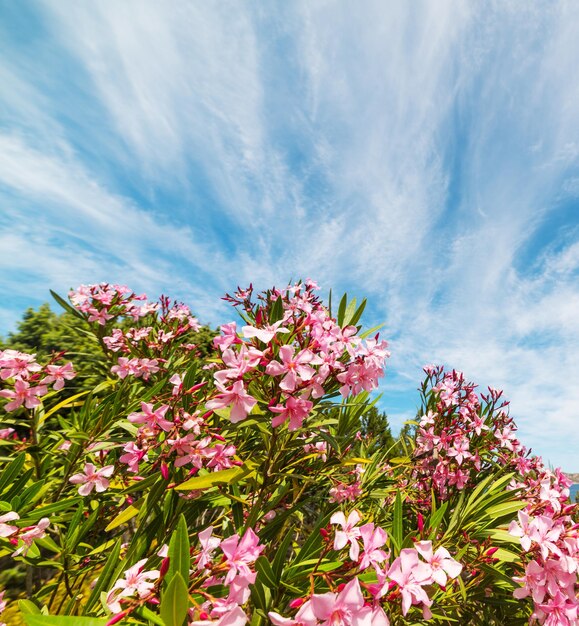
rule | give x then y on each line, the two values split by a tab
426	155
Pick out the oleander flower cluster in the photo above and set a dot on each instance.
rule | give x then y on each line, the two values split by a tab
222	568
26	381
549	538
240	484
462	434
399	583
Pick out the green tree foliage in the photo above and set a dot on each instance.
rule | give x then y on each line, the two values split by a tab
375	427
45	333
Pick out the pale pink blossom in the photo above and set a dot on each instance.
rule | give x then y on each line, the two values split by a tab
295	410
240	401
23	394
153	418
228	336
373	538
38	531
338	609
233	617
349	532
91	479
440	562
57	374
304	617
240	554
266	333
410	574
296	368
135	581
133	456
6	530
208	545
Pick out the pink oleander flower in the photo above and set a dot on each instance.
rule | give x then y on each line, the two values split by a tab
101	316
240	401
409	573
6	530
546	533
348	534
240	554
123	368
57	374
522	530
31	533
135	581
304	617
5	433
373	538
14	364
295	410
228	336
208	545
221	456
342	492
339	609
534	583
559	611
23	394
233	617
92	479
238	363
296	368
459	449
153	418
264	334
440	563
133	456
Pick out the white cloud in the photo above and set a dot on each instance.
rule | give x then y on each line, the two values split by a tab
412	151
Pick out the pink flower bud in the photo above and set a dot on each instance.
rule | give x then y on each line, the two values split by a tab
295	604
165	471
117	618
420	520
164	567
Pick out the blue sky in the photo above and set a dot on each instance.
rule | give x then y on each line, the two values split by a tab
424	154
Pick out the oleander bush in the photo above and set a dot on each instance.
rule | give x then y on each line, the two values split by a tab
244	483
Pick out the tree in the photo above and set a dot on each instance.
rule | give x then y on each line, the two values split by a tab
376	428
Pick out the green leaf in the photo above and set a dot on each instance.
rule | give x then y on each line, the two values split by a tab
122	517
28	608
342	309
179	557
66	306
175	602
281	555
276	312
397	522
227	476
63	620
265	573
357	314
12	470
104	581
